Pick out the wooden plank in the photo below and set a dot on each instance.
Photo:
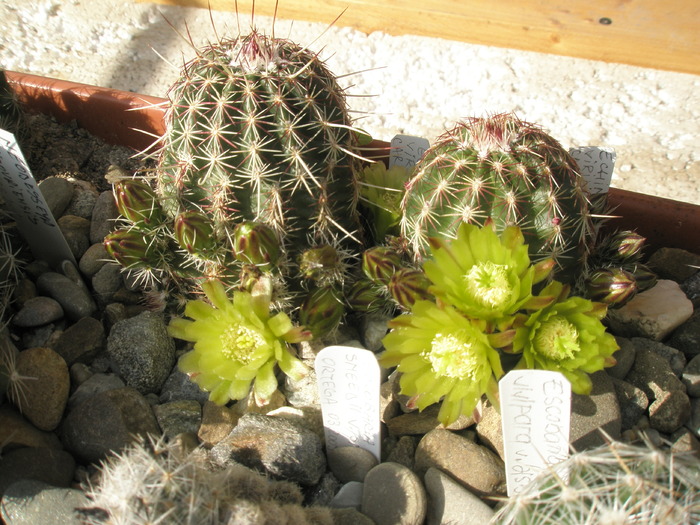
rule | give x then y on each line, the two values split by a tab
648	33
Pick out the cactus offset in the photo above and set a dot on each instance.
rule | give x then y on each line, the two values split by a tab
257	166
506	170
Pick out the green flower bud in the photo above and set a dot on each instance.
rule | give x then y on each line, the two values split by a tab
365	296
408	286
194	233
136	201
255	243
645	278
321	311
380	264
624	245
320	264
130	249
612	286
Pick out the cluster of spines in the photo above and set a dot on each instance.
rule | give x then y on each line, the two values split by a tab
614	483
155	482
503	169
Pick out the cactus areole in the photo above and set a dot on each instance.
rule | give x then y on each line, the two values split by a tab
506	170
258	130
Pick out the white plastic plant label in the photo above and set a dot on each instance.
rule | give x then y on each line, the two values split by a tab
406	150
348	385
536	417
596	165
27	206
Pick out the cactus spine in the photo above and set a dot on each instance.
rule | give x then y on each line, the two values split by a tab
257	166
506	170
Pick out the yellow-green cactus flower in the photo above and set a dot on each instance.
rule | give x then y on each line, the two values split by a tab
237	343
484	275
443	355
566	336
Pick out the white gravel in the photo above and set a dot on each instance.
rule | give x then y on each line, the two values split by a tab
404	84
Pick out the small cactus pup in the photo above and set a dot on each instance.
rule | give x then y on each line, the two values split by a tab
506	170
258	165
486	312
616	483
238	344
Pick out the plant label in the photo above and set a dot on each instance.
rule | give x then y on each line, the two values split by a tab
406	150
27	206
536	415
348	385
596	165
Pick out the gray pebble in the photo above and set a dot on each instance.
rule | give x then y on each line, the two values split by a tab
350	463
38	311
103	215
82	341
449	502
31	502
57	192
349	496
594	412
178	417
94	258
75	300
394	495
76	231
691	377
141	351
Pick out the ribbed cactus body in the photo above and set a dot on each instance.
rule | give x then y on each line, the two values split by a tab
258	130
505	170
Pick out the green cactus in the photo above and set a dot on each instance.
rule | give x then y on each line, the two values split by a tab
11	268
158	483
506	170
257	173
614	483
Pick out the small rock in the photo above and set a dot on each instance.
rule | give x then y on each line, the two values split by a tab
449	502
686	337
178	387
217	423
596	411
624	358
669	411
350	463
691	288
280	447
653	374
141	351
472	465
685	442
633	403
675	357
178	417
373	328
57	192
93	385
414	423
42	464
103	215
75	300
349	496
349	516
37	311
84	197
394	495
46	394
76	231
489	429
106	282
323	492
653	314
403	452
106	423
15	431
693	422
674	264
81	342
94	258
31	502
691	377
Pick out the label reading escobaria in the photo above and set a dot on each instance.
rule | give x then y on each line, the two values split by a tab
406	150
596	165
348	385
536	416
27	206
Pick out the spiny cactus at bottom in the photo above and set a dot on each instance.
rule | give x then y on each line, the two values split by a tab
152	482
256	173
11	269
615	484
